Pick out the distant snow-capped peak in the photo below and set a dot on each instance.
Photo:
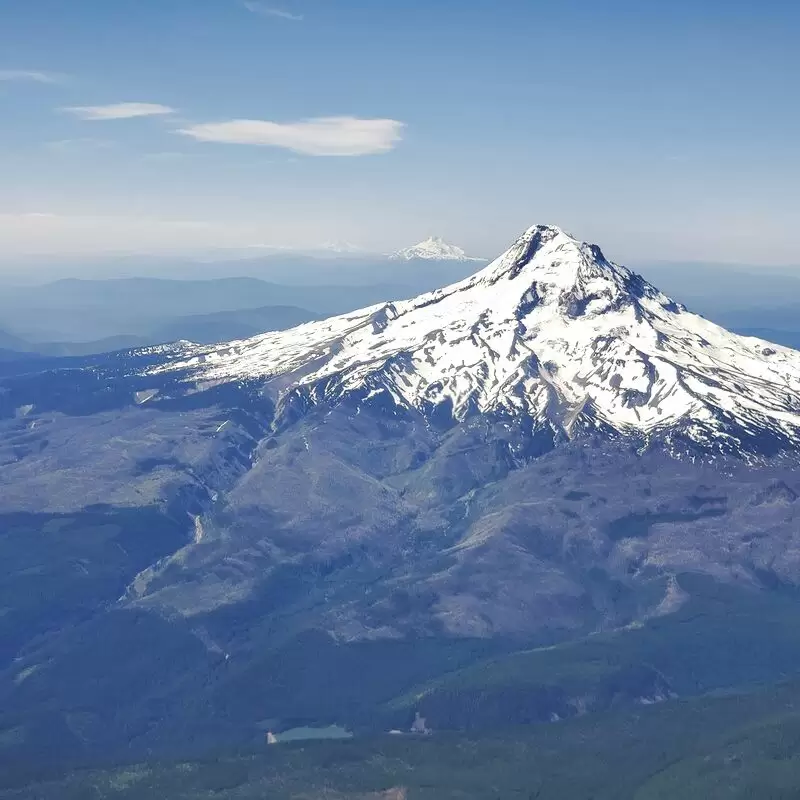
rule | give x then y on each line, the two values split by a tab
342	247
551	331
432	249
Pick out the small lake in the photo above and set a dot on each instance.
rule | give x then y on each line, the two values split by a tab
308	734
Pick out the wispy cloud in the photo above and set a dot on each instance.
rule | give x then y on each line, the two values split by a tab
119	111
31	76
270	11
324	136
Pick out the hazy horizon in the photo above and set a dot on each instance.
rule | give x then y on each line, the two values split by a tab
306	122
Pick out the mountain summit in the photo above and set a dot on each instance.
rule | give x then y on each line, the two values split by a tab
552	331
432	249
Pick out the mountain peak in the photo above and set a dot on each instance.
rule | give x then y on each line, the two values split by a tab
434	248
551	331
342	247
546	258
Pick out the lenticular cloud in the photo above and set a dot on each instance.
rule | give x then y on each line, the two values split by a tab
324	136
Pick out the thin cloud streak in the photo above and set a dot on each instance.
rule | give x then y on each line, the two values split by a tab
30	76
269	11
323	136
118	111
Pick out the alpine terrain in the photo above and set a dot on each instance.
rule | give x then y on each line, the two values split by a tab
552	332
337	522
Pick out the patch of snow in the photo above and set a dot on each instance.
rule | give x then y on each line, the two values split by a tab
145	396
199	531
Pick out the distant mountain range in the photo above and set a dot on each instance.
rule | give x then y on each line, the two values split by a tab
207	328
128	312
152	310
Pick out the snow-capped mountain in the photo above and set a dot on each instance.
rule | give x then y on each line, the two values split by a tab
432	249
551	331
342	248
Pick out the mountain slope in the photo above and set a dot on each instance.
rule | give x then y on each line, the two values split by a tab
551	331
786	338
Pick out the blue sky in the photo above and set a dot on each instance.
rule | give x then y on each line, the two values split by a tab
660	130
